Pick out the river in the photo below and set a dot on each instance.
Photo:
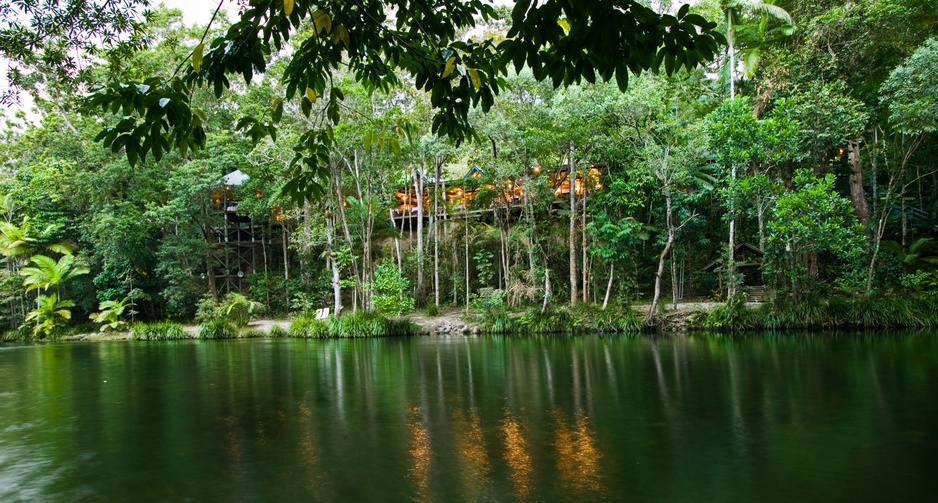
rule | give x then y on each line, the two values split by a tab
540	418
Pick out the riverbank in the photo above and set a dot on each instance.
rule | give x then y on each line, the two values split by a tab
449	321
889	311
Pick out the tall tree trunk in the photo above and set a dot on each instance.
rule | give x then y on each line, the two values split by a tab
529	210
583	254
366	194
731	259
286	256
673	282
209	270
340	206
895	180
418	189
467	257
612	270
761	214
546	290
664	176
653	309
857	195
436	234
571	180
330	258
731	49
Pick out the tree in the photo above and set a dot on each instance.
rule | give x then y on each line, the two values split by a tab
597	39
810	219
49	273
732	9
739	141
50	314
391	291
111	313
53	37
911	92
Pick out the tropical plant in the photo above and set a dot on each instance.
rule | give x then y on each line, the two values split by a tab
732	10
239	309
111	312
234	307
50	273
20	240
50	315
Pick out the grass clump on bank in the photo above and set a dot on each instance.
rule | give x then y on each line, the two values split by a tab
158	331
217	329
19	334
252	333
583	318
354	325
838	311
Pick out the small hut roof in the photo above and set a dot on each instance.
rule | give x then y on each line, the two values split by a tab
236	178
740	249
473	170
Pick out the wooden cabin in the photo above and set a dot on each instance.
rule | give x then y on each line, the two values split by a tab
459	196
748	265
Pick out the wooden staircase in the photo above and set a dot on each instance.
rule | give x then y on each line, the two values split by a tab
755	293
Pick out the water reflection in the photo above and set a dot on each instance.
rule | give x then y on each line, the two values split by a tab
419	449
517	456
474	467
578	459
480	419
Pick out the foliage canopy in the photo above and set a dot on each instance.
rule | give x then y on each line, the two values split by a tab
381	42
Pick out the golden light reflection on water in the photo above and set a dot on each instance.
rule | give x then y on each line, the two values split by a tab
518	457
233	438
308	446
419	450
475	467
578	459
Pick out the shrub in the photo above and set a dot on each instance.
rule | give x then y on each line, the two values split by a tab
358	324
207	309
112	312
217	329
391	291
553	321
159	331
498	323
234	307
252	333
21	333
277	331
734	315
307	327
239	310
489	300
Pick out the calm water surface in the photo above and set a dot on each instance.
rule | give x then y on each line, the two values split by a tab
809	418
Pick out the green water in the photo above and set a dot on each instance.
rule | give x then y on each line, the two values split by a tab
793	418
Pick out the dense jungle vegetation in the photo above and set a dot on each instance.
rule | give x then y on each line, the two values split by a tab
801	160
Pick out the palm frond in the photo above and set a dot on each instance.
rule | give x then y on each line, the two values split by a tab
775	11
